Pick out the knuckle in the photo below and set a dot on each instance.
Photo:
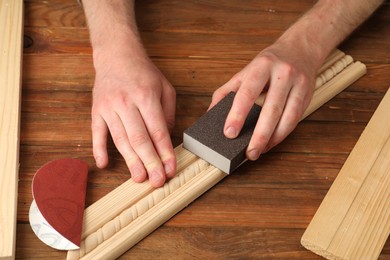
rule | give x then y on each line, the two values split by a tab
275	110
139	139
236	79
98	104
261	140
249	94
122	99
303	80
293	117
171	91
265	59
119	139
252	76
217	94
286	70
152	164
158	135
95	127
143	95
132	161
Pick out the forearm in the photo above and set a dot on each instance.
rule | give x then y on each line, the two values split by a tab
132	100
112	27
326	25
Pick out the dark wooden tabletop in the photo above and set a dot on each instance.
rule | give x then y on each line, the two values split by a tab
262	210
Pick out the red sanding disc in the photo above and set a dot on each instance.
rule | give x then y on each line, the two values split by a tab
59	189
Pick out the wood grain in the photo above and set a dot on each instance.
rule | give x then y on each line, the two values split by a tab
353	221
259	212
11	29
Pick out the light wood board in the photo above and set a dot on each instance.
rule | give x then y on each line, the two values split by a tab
353	220
11	29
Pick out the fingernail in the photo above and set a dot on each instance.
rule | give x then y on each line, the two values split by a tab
168	169
136	173
231	132
98	160
253	154
156	178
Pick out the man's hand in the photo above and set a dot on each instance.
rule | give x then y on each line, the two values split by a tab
131	98
289	78
288	69
134	101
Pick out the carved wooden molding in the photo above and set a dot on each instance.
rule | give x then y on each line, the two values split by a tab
125	216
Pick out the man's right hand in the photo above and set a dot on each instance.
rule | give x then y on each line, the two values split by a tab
136	103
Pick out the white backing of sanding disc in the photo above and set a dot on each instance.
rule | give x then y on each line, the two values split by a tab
46	233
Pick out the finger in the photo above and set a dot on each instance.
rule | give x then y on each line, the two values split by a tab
269	116
168	103
296	104
232	85
140	141
99	141
121	141
246	95
159	134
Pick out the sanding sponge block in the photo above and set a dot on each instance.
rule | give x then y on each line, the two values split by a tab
205	138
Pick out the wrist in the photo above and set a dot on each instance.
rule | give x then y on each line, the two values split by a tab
307	40
305	49
116	49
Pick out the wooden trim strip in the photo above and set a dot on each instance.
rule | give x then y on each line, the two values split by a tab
353	220
11	33
334	86
331	59
142	206
128	194
333	70
141	209
156	216
114	239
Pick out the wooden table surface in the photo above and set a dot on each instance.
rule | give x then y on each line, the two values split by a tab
262	210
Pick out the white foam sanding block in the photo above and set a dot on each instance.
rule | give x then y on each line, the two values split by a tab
205	138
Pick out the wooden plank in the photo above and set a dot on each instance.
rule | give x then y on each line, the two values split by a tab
69	14
63	72
189	243
353	221
259	212
11	29
75	40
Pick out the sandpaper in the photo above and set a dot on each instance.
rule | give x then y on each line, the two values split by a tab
56	214
206	139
